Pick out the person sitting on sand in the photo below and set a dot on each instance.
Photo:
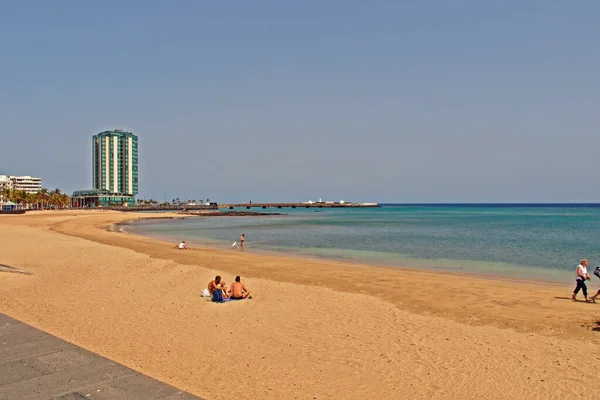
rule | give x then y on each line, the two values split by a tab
217	289
182	246
582	276
238	290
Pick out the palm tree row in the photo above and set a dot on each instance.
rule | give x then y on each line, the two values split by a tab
39	201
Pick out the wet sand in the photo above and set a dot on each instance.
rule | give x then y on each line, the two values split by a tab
314	328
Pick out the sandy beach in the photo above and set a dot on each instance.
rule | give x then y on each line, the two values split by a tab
324	330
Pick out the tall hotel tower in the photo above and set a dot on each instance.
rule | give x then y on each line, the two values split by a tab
115	162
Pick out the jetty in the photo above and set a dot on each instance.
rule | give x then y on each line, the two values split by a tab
166	207
298	205
215	207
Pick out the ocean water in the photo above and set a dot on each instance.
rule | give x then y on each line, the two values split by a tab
537	242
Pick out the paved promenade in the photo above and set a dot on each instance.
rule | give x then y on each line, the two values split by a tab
35	365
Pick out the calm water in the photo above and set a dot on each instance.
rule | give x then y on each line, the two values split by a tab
543	242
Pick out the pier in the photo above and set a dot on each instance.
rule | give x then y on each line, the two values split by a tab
298	205
213	207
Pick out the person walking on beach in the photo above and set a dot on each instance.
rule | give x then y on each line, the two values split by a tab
242	238
597	273
582	276
238	290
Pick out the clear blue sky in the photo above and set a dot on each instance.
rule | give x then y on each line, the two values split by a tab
390	101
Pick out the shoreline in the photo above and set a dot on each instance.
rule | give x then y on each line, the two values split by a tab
313	329
290	257
485	275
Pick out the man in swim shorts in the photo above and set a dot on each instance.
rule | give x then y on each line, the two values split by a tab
238	290
219	285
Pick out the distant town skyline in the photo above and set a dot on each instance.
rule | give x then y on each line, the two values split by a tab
289	101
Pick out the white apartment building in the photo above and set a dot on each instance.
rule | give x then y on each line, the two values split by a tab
27	184
5	183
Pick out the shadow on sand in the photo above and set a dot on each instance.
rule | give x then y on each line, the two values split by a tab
570	299
8	268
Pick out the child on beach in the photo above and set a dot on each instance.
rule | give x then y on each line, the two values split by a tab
582	276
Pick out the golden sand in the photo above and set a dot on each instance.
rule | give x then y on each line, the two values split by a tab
313	329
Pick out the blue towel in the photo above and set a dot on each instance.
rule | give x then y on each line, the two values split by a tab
217	296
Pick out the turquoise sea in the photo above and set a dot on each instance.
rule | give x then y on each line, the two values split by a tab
535	241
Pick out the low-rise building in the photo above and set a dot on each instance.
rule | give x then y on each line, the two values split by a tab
5	184
100	198
8	206
27	184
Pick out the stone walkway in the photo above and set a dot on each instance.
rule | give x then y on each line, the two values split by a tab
35	365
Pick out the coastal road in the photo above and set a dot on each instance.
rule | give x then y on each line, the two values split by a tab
35	365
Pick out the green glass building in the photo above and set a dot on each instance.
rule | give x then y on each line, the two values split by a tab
115	162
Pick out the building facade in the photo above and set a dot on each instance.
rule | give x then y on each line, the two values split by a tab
5	183
115	162
100	198
28	184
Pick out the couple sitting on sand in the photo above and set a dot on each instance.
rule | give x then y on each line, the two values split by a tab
220	294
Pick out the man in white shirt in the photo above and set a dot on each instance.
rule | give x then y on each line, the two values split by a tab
582	276
182	246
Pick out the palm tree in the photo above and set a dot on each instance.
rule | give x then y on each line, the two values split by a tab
6	194
43	197
54	198
26	199
66	200
21	198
